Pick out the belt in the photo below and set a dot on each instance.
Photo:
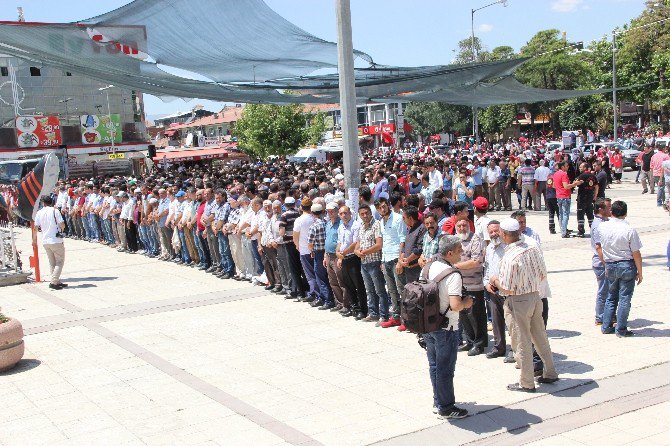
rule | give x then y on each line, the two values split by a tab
619	261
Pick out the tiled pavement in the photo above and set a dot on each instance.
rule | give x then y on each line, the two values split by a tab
138	351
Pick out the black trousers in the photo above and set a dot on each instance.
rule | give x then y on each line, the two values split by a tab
131	235
498	322
473	320
298	281
584	208
552	205
353	282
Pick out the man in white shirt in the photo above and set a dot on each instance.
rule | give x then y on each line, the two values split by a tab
434	176
50	222
541	175
301	241
492	178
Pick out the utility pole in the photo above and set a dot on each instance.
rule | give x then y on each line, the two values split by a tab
614	107
345	63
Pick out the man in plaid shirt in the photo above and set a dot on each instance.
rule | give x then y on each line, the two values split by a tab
369	249
317	245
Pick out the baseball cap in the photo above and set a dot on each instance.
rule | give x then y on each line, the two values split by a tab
181	193
481	203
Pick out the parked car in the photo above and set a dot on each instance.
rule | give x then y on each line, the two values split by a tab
629	157
662	142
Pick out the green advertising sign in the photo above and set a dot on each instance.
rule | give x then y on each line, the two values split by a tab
100	129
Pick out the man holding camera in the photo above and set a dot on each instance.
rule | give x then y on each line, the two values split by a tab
50	222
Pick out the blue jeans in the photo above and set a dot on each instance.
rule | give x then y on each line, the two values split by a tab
227	264
660	192
378	299
668	254
204	260
621	283
93	224
441	347
563	214
308	268
88	232
321	277
258	262
601	294
107	230
184	251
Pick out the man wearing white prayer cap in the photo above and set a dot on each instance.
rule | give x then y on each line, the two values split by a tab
519	280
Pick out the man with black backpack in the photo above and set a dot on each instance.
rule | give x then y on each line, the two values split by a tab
442	343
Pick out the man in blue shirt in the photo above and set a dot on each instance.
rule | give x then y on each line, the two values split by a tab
335	278
394	232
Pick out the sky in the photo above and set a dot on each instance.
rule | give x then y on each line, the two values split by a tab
393	32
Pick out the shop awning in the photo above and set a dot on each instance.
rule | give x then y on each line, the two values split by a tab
178	156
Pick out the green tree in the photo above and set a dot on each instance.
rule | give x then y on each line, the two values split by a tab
643	57
496	118
554	65
316	127
465	51
502	53
429	118
266	129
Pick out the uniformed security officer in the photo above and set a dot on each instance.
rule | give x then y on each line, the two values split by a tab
586	193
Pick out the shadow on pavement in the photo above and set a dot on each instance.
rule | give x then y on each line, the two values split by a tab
574	367
493	418
641	323
91	279
83	285
569	387
22	366
562	334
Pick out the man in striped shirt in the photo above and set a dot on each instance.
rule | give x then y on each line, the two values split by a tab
519	279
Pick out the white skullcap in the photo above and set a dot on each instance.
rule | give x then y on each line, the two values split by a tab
332	205
289	200
509	225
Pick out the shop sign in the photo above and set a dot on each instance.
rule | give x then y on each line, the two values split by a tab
38	131
100	129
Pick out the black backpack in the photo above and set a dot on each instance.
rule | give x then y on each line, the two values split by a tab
420	302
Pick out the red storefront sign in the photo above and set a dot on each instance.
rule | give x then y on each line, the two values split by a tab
376	129
38	131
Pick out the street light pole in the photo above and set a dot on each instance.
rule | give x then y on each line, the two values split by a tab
475	117
349	123
109	115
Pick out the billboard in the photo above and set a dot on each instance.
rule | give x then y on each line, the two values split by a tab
100	129
38	131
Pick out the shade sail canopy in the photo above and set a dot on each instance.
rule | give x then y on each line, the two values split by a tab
238	51
506	90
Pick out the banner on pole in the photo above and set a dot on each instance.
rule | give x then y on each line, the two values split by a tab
100	129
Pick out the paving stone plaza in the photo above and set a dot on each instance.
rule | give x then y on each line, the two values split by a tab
137	351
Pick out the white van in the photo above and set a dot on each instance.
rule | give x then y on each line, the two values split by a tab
307	155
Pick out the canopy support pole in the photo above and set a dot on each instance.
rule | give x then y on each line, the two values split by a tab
345	63
614	107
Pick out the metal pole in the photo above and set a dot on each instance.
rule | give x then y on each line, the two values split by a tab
345	62
113	127
614	108
475	118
